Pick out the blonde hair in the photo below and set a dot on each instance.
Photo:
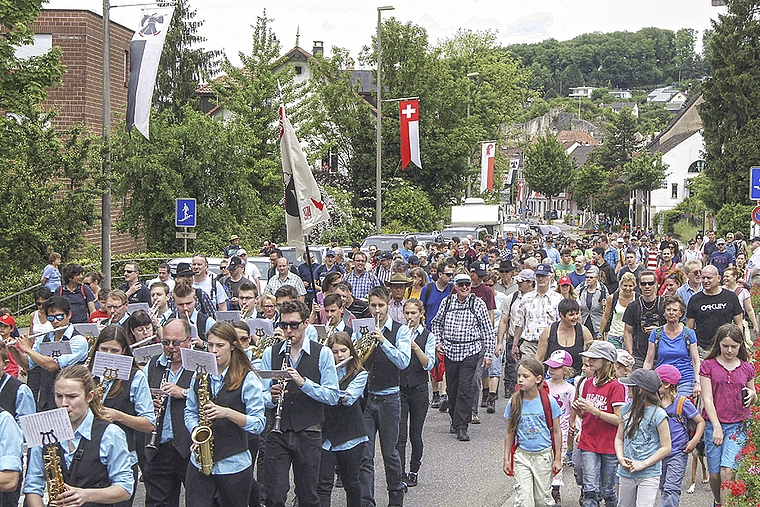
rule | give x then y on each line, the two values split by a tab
82	375
628	277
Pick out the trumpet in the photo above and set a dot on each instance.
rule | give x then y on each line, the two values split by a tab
329	330
153	444
282	382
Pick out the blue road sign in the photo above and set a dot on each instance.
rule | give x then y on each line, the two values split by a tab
185	213
754	184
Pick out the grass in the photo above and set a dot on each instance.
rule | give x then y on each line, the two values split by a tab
684	230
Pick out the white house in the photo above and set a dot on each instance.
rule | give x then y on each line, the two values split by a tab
582	91
667	96
621	94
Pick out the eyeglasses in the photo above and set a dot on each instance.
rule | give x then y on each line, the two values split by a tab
174	343
268	306
39	303
643	283
292	325
59	317
128	271
113	307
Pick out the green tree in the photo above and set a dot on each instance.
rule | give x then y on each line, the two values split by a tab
731	124
183	63
645	172
587	182
733	218
407	208
548	169
621	142
23	82
685	41
653	117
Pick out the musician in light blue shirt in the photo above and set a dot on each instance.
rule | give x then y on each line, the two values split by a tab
11	449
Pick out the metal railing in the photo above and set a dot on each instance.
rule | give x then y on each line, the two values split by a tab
17	296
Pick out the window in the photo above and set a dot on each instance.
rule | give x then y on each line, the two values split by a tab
664	185
697	166
674	191
299	70
42	43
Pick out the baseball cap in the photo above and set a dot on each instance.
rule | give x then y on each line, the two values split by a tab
235	262
669	374
756	238
413	259
624	358
479	268
334	238
565	280
526	275
329	253
647	380
385	256
601	350
462	277
543	270
8	320
559	358
242	252
720	240
505	266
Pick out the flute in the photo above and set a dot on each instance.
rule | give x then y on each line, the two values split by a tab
11	341
142	342
344	362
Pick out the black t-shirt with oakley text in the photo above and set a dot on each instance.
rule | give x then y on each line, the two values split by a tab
711	312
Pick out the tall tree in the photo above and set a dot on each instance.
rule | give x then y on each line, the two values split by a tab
685	41
548	169
184	64
732	99
621	142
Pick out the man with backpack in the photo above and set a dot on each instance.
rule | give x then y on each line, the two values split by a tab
207	282
641	316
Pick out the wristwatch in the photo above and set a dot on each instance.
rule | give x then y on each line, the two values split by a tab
184	392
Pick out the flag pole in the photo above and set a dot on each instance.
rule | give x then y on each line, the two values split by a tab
311	274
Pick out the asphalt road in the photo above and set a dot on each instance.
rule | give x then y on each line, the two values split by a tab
469	474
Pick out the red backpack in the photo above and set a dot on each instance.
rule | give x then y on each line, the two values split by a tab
543	393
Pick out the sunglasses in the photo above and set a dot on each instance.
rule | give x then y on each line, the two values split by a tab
647	283
464	284
292	325
59	317
128	271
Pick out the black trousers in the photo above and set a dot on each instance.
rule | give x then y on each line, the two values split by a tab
509	370
231	489
254	499
459	386
348	468
164	476
260	460
414	408
302	449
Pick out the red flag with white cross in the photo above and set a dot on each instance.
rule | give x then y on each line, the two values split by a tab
410	133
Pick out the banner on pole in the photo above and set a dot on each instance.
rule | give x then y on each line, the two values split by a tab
410	133
487	159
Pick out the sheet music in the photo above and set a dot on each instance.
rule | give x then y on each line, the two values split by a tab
192	359
40	425
363	326
143	354
89	330
112	366
134	307
321	331
224	316
260	327
55	349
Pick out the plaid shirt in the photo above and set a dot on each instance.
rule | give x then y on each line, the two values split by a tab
361	285
456	327
536	313
293	279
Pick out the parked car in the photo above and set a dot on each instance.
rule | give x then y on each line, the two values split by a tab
550	214
462	232
517	228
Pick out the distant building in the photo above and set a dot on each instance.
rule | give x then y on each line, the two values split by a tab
619	106
667	96
582	91
621	94
580	137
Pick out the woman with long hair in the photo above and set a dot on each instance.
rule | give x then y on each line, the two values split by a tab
565	288
343	430
128	404
235	407
38	322
617	302
673	281
102	474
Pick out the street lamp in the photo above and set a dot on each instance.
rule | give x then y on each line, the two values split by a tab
378	204
469	183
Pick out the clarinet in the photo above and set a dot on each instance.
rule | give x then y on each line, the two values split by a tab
153	444
282	382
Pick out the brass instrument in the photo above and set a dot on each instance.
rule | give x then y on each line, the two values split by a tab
55	483
153	444
203	436
262	343
282	382
366	344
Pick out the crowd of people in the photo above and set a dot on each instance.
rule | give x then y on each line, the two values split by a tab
618	356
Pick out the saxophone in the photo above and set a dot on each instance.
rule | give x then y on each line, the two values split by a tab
203	436
55	484
262	343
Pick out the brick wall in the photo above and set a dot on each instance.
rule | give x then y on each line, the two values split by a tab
79	98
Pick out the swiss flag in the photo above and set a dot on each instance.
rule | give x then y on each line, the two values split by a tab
410	133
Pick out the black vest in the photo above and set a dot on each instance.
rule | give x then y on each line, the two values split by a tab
181	440
9	394
122	403
229	438
300	411
86	470
414	374
344	423
382	372
46	393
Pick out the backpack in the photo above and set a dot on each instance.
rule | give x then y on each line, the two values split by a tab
543	393
81	288
689	424
658	334
207	306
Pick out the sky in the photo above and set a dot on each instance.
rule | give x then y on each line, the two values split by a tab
350	24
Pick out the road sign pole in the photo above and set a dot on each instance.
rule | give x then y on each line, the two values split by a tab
185	240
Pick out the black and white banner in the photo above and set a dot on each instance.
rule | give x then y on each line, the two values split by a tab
144	55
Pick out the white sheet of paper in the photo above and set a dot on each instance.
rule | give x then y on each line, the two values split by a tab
134	307
193	330
266	327
274	374
35	426
358	324
55	349
112	365
88	330
143	354
191	359
232	316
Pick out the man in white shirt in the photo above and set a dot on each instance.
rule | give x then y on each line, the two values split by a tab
251	272
164	275
208	283
753	267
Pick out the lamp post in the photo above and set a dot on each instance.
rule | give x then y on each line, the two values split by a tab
469	183
378	204
105	235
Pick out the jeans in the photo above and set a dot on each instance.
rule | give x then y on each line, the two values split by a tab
414	407
381	415
348	468
686	388
599	472
477	381
459	387
304	450
641	492
673	470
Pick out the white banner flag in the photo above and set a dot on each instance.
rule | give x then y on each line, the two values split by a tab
487	159
144	55
304	207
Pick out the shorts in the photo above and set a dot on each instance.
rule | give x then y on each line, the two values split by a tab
726	455
617	341
495	370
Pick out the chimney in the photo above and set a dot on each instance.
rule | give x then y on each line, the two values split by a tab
319	48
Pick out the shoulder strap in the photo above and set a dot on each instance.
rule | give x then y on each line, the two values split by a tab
60	290
428	289
546	402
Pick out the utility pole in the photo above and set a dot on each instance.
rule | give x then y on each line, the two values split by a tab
105	237
378	171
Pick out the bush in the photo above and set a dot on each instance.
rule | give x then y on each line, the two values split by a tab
734	218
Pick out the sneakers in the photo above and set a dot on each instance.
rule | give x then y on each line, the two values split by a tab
556	497
484	398
452	429
411	479
444	403
462	435
436	403
475	419
491	403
